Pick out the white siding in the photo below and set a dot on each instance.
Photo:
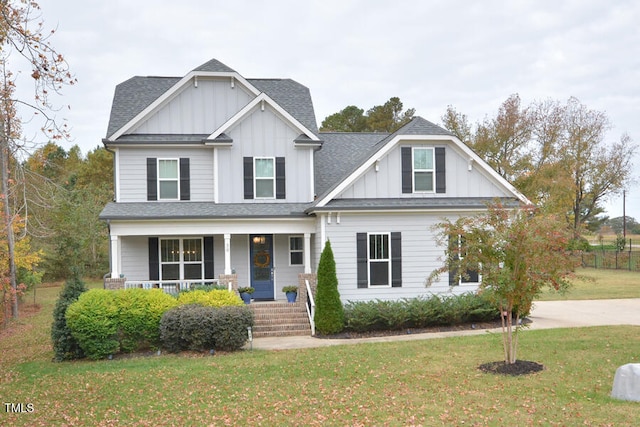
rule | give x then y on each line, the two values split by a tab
133	171
264	133
460	182
197	110
420	254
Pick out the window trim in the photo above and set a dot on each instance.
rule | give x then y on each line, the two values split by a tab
300	251
461	280
176	179
386	260
181	258
415	170
256	178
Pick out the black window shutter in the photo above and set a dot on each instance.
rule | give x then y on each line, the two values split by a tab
441	175
152	179
396	260
361	254
407	170
248	177
185	187
208	257
154	261
280	178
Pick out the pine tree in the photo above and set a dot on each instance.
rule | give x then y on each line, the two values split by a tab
65	346
329	316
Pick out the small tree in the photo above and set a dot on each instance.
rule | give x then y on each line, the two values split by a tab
329	317
516	252
65	346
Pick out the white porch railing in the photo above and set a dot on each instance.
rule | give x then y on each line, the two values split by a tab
311	307
169	286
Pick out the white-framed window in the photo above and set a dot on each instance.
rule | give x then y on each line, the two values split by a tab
168	179
423	170
181	259
264	173
472	276
296	250
379	259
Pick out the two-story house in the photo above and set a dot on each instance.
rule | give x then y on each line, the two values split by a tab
222	177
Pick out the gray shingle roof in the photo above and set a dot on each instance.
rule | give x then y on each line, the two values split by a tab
134	95
201	210
414	203
340	154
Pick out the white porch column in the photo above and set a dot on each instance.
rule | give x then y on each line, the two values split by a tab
115	257
227	254
307	253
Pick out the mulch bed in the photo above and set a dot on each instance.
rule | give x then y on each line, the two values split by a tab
387	333
521	367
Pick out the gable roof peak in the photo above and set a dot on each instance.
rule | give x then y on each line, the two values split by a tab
420	126
214	66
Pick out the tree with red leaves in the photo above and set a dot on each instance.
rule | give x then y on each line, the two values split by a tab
517	254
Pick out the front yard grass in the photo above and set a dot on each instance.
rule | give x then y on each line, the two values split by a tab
428	382
599	284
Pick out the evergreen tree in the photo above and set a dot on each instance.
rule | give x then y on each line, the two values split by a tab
329	316
65	346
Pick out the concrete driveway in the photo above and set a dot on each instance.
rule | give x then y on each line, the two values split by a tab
545	315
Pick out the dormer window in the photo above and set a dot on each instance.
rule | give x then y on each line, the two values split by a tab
423	170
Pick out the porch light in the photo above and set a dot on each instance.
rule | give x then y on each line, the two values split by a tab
259	240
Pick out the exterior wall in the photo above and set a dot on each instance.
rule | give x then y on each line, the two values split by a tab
197	110
132	171
264	133
135	257
420	254
387	181
135	260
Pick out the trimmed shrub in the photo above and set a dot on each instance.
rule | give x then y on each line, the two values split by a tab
93	322
65	346
230	327
418	312
211	298
329	315
139	314
196	327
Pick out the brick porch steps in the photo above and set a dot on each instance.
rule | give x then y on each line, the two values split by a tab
280	319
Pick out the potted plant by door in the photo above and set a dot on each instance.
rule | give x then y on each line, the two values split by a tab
291	292
245	293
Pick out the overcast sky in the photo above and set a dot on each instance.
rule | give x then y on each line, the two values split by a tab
468	54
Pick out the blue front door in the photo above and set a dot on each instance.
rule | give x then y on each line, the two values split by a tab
262	266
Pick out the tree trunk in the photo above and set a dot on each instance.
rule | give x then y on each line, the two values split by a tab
7	220
509	335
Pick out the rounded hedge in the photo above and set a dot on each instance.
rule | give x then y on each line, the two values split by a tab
212	298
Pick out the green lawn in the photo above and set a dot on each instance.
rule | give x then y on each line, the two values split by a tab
599	284
428	382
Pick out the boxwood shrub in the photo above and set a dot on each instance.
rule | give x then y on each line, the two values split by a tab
418	312
197	327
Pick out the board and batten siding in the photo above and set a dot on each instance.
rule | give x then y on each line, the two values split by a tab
132	170
197	110
420	254
264	134
386	182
